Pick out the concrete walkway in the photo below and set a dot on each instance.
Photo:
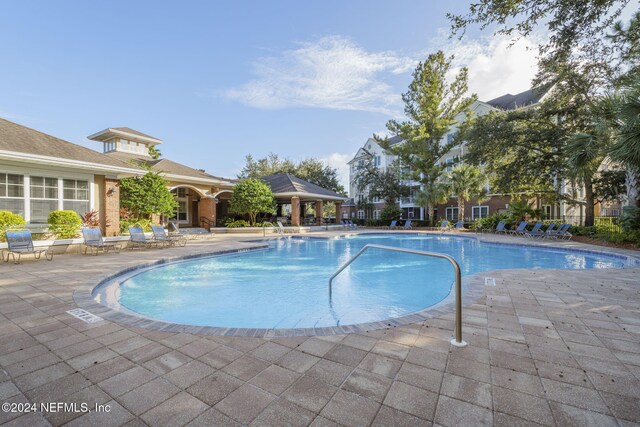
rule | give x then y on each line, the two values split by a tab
546	347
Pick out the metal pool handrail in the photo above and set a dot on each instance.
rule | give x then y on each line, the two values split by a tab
457	341
264	226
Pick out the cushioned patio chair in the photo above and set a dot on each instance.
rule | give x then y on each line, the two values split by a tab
93	240
20	243
393	225
160	235
138	239
520	230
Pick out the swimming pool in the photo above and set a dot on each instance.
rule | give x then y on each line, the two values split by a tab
286	286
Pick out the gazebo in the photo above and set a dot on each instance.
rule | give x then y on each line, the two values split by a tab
289	189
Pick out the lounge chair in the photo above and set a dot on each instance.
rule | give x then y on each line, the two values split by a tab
393	225
350	224
562	232
407	225
160	235
21	242
520	230
280	228
459	225
550	231
93	240
500	228
444	226
535	232
138	239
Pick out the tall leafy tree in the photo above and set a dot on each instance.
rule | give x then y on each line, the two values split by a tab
466	182
521	151
313	170
386	184
146	195
432	105
250	197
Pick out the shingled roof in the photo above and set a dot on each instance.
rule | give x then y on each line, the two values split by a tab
167	166
519	100
21	139
285	184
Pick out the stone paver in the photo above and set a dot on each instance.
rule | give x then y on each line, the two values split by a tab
546	348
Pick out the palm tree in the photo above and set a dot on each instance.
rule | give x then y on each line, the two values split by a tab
431	195
626	148
466	182
585	152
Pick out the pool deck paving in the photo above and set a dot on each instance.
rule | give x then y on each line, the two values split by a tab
546	347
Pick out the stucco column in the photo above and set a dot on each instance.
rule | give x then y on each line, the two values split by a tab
319	212
338	212
111	222
295	211
207	209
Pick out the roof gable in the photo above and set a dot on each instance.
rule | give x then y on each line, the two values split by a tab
21	139
284	183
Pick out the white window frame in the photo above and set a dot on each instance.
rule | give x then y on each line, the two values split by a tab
480	208
360	214
448	213
376	214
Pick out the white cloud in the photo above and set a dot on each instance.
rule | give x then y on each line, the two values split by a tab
339	162
496	65
332	72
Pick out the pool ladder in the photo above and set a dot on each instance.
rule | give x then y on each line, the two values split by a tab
278	229
457	341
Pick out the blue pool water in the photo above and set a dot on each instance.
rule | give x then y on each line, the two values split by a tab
286	286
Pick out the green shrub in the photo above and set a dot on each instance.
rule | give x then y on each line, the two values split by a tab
491	222
64	224
238	223
630	219
579	230
143	223
624	237
9	221
389	213
375	222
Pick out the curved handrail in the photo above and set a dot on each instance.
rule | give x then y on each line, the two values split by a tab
264	228
457	341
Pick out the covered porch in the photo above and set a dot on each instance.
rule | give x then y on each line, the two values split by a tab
199	206
301	203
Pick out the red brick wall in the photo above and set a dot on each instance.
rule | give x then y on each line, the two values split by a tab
207	209
111	207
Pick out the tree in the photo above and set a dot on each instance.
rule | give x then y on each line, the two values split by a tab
431	195
576	44
146	195
626	146
432	106
466	182
252	196
521	150
313	170
154	153
386	184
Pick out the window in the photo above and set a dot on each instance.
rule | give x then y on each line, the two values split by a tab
12	193
360	214
376	161
451	213
76	195
548	211
615	212
410	213
604	212
479	212
449	162
44	198
376	214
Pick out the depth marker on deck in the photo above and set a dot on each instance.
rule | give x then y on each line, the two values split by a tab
489	281
84	315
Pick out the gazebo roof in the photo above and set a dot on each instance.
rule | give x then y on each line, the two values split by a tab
285	186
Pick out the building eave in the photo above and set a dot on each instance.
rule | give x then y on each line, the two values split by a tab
77	164
185	178
313	196
100	136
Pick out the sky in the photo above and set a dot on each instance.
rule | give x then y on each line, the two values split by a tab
219	80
